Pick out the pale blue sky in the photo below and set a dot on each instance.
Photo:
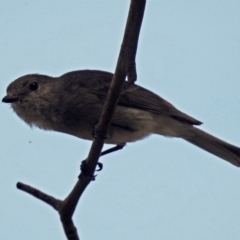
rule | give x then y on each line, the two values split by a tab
158	188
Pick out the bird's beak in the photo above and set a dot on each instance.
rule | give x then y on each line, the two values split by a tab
10	99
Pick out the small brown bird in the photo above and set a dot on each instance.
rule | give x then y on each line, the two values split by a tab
73	102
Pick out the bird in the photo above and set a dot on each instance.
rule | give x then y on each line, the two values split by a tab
72	103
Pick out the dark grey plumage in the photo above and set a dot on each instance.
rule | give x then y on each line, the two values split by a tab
72	104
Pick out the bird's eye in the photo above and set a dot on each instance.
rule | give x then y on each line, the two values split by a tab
33	86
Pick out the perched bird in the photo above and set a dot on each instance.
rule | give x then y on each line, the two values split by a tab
73	102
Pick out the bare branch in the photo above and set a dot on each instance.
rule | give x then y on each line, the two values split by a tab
68	225
125	67
55	203
130	38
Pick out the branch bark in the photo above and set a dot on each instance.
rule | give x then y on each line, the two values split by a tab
125	67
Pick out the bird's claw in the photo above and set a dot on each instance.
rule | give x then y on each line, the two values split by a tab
86	171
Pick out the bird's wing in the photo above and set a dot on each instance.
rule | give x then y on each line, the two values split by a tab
141	98
98	83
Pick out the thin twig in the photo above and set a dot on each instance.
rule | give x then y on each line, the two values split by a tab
55	203
114	92
125	67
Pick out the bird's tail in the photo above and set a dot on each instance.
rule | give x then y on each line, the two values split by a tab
214	145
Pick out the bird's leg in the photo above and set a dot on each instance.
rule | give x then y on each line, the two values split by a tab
113	149
84	167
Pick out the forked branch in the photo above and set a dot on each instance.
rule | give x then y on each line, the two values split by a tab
125	67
